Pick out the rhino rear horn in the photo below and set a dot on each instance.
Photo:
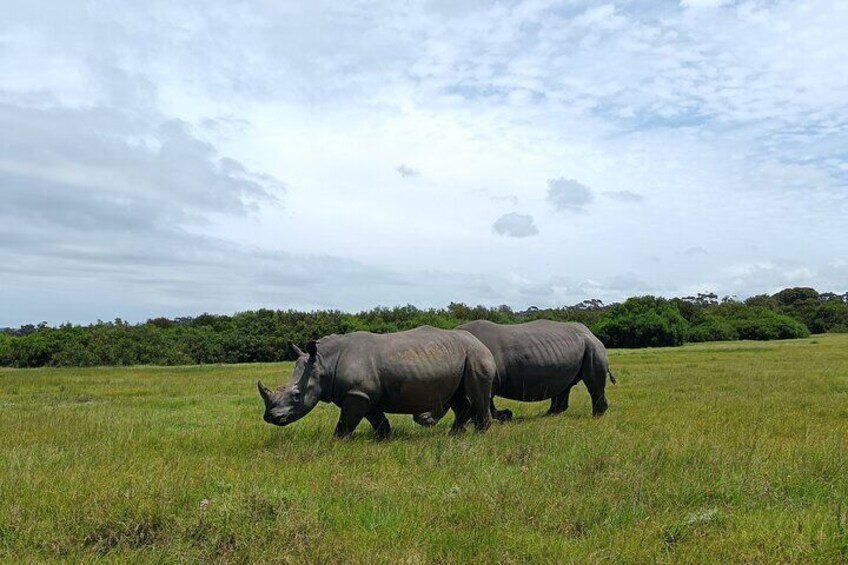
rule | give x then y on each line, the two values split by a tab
264	392
298	351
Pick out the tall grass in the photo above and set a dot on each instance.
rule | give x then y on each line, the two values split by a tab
735	451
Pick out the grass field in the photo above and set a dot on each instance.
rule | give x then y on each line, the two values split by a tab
733	451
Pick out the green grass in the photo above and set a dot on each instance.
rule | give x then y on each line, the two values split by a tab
733	451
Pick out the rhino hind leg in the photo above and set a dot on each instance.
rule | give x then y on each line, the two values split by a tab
594	373
354	408
599	405
382	428
474	404
465	410
462	412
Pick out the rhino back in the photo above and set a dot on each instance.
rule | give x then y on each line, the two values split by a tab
535	360
410	372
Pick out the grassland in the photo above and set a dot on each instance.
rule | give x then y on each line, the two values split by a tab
734	451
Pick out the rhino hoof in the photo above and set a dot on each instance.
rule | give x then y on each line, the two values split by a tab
426	421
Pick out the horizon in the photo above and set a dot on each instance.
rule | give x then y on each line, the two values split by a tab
167	158
716	299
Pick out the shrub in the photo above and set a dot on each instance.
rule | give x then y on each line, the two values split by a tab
800	303
644	321
713	328
780	327
265	335
832	316
762	300
760	323
34	350
5	349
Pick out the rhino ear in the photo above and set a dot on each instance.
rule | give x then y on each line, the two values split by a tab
298	351
312	348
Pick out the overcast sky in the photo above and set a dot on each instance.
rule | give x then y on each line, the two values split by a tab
171	158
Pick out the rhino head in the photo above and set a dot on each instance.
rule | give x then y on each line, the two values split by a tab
293	401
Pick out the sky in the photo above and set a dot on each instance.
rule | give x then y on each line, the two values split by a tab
173	158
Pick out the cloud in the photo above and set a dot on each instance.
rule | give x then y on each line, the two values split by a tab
106	201
99	167
496	197
629	283
771	276
602	17
704	3
144	165
745	279
515	225
84	276
794	176
406	171
509	198
568	195
695	251
624	196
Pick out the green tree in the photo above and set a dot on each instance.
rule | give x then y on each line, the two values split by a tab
832	316
645	321
799	302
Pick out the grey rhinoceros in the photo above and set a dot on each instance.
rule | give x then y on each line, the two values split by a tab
540	360
367	375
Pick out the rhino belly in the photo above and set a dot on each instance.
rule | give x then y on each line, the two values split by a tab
530	384
419	390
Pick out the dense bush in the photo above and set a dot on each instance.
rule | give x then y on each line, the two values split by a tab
712	328
771	328
5	349
645	321
763	300
266	335
800	303
832	316
760	323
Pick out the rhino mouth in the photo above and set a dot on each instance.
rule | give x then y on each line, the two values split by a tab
270	408
275	420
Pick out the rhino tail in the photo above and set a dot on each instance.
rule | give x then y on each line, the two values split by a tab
611	376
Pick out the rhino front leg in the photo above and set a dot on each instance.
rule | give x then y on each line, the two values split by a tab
431	418
354	408
559	403
382	428
425	419
499	415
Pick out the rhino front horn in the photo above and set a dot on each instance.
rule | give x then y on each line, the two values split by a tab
264	391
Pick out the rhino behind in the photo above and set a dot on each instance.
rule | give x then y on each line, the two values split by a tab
541	360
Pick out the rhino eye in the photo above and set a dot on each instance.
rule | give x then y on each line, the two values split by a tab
295	395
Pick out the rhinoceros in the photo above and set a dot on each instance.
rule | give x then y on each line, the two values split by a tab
540	360
368	375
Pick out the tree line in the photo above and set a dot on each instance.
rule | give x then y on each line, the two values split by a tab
266	335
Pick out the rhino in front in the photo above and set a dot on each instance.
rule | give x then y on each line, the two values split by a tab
368	375
540	360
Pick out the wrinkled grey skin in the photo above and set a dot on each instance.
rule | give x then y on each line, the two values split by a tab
540	360
368	375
